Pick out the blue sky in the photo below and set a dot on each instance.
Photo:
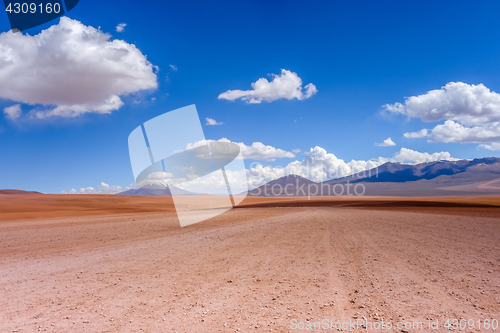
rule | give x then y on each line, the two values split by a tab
360	56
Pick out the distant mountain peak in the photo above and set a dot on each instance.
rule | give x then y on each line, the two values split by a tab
156	190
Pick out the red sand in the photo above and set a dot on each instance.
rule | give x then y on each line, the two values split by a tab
121	269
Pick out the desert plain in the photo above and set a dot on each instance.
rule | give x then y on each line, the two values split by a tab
108	263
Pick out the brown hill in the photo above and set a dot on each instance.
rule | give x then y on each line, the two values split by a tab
9	191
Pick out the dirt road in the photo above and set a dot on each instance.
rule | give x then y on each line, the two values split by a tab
248	270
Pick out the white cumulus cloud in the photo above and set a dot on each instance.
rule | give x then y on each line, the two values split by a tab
70	69
417	135
287	85
387	143
452	131
211	122
256	151
12	112
493	146
120	27
260	151
468	104
103	188
409	156
471	113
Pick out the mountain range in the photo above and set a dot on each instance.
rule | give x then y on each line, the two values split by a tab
463	177
441	178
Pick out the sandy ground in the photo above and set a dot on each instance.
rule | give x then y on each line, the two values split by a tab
250	269
35	206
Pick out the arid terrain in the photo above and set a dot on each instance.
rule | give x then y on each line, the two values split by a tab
98	263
